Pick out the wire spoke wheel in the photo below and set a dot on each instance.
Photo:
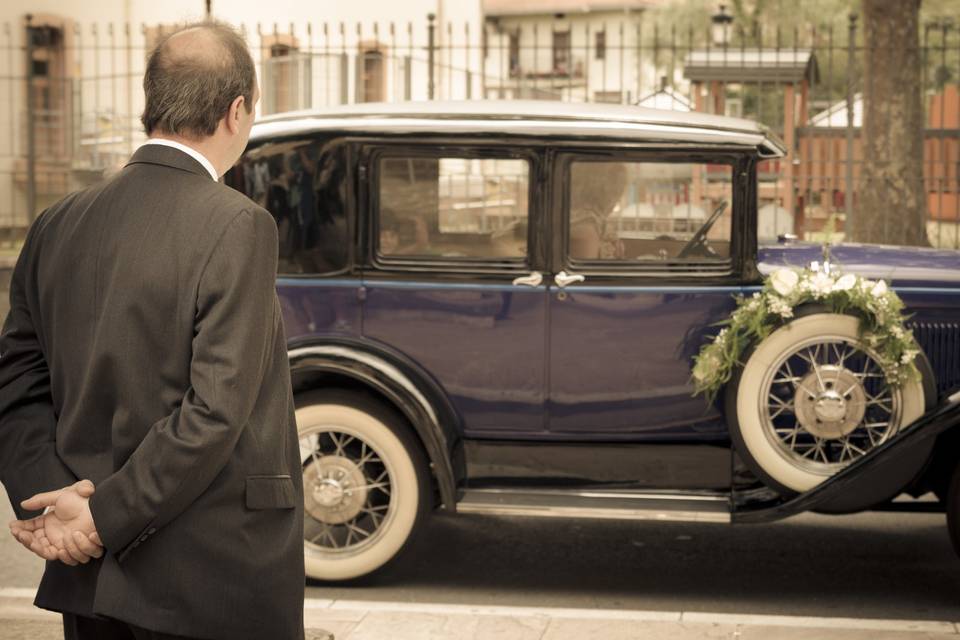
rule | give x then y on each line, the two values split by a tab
347	490
811	398
826	402
365	483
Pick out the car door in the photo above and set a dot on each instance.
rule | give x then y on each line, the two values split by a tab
638	282
454	276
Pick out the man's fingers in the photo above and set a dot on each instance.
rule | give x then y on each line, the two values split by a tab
25	538
70	543
84	487
41	500
86	545
43	550
33	524
65	558
95	539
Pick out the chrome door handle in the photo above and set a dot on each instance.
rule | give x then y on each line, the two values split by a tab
563	278
532	280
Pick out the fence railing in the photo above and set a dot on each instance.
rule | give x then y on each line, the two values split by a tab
70	94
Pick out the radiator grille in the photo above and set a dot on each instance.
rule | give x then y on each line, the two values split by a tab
941	342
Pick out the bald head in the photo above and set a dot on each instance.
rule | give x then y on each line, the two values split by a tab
192	78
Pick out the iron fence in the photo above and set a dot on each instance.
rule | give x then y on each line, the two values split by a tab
72	94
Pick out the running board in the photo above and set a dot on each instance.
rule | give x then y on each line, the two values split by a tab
618	505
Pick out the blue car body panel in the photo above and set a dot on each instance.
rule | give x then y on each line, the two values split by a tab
317	307
484	344
602	363
620	361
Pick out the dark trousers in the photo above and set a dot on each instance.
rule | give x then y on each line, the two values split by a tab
82	628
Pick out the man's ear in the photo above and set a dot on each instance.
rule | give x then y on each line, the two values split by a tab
233	114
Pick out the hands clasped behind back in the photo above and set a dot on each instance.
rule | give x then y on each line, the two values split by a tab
66	531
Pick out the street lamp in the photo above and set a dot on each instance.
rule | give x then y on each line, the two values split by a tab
720	27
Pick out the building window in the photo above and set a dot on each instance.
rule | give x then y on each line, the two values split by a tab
600	45
286	74
609	97
49	89
514	53
371	74
561	53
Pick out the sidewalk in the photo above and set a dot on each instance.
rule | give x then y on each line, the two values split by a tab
361	620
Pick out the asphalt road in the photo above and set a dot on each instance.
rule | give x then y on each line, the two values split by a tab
874	565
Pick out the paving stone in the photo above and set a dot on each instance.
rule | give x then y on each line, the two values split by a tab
426	626
806	633
636	630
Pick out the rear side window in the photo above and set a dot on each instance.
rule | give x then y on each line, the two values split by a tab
303	186
453	208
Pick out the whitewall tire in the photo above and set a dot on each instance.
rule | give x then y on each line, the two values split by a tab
365	483
811	399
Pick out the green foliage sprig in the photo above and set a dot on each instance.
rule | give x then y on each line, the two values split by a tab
880	309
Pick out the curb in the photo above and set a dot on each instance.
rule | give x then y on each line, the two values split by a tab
20	620
373	620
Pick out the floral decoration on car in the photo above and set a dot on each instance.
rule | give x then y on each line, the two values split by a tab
879	308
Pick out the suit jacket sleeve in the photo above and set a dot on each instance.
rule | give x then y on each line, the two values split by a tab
28	423
184	452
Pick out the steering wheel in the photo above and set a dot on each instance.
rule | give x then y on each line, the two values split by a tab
700	237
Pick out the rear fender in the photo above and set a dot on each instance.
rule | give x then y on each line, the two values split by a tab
410	390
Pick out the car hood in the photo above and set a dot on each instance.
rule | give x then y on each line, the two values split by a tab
903	266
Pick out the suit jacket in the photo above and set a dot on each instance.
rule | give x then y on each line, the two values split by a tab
144	350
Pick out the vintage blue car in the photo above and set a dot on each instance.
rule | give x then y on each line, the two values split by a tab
493	307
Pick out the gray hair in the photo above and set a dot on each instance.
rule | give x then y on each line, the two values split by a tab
190	89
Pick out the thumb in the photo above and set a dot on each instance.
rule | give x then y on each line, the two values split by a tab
41	500
84	488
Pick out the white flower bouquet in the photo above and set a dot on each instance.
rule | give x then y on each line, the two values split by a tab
879	308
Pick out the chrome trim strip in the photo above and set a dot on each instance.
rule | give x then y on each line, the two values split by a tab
615	505
524	110
597	513
531	127
624	495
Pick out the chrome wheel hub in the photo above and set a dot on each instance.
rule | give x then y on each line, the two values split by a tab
347	491
830	402
336	489
825	402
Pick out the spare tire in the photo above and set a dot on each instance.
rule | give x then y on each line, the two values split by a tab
811	398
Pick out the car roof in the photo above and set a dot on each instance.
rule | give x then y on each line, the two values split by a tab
526	118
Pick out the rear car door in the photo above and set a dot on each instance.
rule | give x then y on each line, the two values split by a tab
454	275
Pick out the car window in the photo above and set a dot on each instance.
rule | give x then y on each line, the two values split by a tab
303	186
453	207
649	212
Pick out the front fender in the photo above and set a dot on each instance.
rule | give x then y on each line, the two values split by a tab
411	391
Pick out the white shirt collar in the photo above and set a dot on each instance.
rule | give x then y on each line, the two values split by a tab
190	151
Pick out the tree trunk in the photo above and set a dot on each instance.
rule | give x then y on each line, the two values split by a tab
892	202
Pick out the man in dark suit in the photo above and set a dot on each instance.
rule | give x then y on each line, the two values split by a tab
144	354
